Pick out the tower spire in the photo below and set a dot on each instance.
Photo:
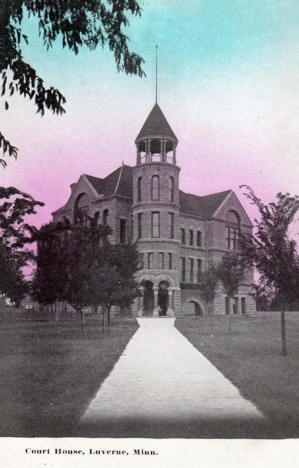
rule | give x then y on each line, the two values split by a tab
156	74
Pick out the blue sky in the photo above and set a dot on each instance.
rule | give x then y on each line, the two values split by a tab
228	84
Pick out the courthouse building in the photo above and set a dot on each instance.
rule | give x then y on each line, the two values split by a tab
178	234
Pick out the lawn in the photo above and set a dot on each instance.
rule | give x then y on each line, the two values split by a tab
251	359
49	373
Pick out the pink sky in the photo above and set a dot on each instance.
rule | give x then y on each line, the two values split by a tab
234	110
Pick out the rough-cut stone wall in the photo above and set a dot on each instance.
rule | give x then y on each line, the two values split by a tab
213	235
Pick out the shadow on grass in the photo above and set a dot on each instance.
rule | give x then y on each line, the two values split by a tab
49	373
188	429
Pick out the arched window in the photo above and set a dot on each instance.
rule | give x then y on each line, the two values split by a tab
171	188
155	188
232	230
81	209
105	216
139	187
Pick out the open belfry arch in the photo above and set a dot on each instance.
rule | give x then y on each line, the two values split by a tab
178	234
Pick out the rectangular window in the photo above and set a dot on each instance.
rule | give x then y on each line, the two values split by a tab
191	270
161	260
139	221
171	225
140	260
236	238
122	231
232	239
191	237
228	237
139	186
150	257
199	264
235	306
183	269
155	224
198	239
131	227
183	236
170	261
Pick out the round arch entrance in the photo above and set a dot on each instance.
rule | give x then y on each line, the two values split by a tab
193	308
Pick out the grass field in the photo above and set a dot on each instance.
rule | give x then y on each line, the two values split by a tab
251	359
49	372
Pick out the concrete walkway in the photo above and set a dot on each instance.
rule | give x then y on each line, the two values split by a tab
162	376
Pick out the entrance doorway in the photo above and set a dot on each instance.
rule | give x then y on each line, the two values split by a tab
196	308
243	305
163	298
148	298
192	308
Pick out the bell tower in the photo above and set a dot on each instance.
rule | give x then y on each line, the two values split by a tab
155	208
156	146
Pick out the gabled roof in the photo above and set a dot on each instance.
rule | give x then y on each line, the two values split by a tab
118	182
201	206
156	125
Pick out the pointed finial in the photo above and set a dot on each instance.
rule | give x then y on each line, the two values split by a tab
156	74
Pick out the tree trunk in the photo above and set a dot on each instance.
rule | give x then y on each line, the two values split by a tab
103	320
57	313
283	332
208	311
109	317
230	316
82	322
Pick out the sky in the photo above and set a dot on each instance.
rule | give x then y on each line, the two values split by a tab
227	83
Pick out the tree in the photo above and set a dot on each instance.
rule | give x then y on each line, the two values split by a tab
15	234
12	281
230	271
207	285
49	282
84	244
263	296
271	251
78	23
112	281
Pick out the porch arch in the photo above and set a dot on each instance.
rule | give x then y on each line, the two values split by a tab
167	278
194	307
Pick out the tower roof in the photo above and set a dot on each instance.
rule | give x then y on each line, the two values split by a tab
155	126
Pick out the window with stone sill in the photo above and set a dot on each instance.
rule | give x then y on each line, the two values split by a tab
150	259
198	239
155	224
191	237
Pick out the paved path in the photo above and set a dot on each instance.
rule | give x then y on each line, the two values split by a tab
162	375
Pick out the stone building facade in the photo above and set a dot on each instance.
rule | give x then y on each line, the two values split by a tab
178	234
